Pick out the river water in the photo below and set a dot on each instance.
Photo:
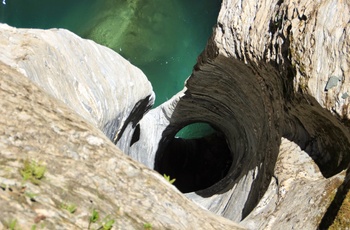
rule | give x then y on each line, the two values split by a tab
161	37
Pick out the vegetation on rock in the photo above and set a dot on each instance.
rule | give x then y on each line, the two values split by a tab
33	171
171	181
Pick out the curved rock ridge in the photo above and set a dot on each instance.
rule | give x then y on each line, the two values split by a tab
310	37
263	81
84	171
271	82
93	80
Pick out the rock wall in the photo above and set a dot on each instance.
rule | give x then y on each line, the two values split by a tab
312	37
271	82
264	82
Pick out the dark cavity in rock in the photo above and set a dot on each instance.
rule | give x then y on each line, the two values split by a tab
197	163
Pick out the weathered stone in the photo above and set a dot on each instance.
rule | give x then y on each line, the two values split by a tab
342	220
83	168
297	195
262	79
311	36
332	82
96	82
260	83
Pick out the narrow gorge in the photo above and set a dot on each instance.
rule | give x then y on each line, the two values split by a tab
271	84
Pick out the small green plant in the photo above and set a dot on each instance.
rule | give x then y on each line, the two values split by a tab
95	216
171	181
147	226
12	224
33	171
107	223
71	208
31	196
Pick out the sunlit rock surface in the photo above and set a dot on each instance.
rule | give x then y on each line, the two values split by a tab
83	168
93	80
272	83
263	82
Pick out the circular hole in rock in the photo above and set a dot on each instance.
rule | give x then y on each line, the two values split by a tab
197	157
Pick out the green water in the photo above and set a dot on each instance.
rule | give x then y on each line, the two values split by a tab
162	37
195	130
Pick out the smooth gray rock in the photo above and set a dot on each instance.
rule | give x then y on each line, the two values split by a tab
93	80
332	82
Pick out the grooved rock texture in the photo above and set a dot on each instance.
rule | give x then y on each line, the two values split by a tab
312	37
273	80
297	195
93	80
83	168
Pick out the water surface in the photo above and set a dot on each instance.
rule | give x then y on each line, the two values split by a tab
162	37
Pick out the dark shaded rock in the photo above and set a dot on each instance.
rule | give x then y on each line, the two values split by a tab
260	81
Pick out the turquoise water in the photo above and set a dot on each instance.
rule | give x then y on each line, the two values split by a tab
162	37
195	130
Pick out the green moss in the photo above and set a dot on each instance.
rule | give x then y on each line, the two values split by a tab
342	220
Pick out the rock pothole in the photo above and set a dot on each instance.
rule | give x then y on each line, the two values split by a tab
195	163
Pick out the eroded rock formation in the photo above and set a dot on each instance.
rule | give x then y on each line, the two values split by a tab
272	81
83	168
266	81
